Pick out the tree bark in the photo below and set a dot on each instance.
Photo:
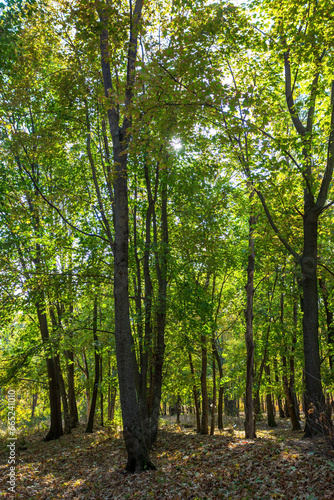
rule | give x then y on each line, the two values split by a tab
214	392
90	422
314	398
195	393
56	426
270	406
125	354
249	409
204	387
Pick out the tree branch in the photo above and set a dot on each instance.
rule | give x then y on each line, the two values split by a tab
275	228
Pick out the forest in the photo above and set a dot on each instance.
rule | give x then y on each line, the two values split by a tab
166	259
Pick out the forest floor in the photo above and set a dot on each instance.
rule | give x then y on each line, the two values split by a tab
278	464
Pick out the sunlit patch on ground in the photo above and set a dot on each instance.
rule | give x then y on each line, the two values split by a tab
189	466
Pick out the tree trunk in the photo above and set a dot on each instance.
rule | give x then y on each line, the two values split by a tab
125	353
204	388
33	405
195	393
86	372
289	401
112	391
330	324
314	398
63	395
101	393
249	410
178	409
56	323
56	427
69	356
270	406
214	395
71	389
90	422
161	263
220	408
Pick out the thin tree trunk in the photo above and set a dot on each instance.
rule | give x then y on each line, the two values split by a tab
101	393
214	394
289	401
330	324
249	409
69	356
204	387
270	406
195	394
67	420
90	423
86	372
33	405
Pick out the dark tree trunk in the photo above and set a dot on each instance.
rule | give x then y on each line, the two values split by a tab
69	356
314	398
289	399
72	402
214	393
221	388
126	360
161	262
34	404
195	393
86	372
204	387
178	409
63	395
249	409
330	324
220	408
101	393
112	391
56	323
289	408
90	422
270	406
56	427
